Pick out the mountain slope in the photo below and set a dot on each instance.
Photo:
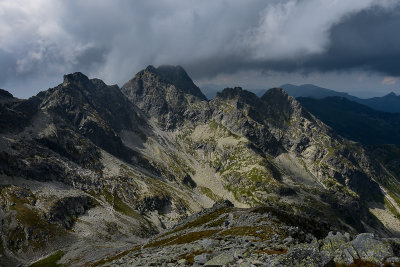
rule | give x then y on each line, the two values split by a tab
106	167
388	103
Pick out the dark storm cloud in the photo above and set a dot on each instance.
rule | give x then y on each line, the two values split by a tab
43	39
367	40
7	66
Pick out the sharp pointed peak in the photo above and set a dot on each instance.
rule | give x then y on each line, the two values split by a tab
232	92
240	95
174	75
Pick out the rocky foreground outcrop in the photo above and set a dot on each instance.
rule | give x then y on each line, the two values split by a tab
258	237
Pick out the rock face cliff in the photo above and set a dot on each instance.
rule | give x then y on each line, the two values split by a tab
86	166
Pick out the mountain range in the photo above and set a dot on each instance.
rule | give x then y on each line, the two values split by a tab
93	174
387	103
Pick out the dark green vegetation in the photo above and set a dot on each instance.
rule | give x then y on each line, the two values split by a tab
50	261
355	121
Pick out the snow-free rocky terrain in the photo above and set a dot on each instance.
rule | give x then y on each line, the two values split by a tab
147	174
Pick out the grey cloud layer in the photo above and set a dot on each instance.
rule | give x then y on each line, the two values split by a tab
114	39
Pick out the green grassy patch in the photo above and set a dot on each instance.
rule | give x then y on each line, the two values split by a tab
207	218
50	261
182	239
395	197
256	175
118	204
200	221
331	183
209	193
250	231
217	223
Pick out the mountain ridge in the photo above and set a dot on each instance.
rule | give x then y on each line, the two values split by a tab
149	154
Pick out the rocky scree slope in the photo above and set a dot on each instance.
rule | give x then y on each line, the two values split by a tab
262	236
100	168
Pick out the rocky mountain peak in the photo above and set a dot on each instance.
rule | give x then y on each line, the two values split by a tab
230	93
151	68
241	96
177	76
76	78
164	93
278	100
5	94
277	93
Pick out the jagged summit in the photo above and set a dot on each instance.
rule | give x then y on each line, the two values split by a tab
83	82
244	100
174	75
165	93
76	78
280	102
277	93
97	110
229	93
177	76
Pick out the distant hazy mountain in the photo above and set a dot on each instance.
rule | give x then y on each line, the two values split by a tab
355	121
388	103
310	90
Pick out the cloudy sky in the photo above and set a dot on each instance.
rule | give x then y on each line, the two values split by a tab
351	46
